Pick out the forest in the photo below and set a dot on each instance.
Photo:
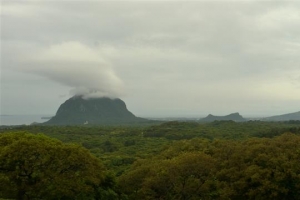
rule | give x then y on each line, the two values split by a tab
170	160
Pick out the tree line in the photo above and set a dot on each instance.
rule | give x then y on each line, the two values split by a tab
257	168
174	160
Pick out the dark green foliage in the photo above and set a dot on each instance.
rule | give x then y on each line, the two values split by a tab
110	144
190	160
35	166
221	169
108	189
129	143
221	129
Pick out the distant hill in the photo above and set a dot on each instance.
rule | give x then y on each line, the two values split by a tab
284	117
102	111
233	116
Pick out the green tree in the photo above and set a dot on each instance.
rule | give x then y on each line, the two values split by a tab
35	166
186	176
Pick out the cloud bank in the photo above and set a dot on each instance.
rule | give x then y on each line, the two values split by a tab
77	66
175	58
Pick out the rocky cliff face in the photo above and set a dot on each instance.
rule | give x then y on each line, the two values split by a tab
79	111
233	116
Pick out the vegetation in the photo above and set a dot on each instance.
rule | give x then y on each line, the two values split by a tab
173	160
201	169
35	166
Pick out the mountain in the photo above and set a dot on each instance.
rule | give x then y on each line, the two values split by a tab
102	111
285	117
233	116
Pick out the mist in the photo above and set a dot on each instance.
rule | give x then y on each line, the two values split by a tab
77	66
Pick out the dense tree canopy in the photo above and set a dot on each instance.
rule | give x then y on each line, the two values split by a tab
35	166
199	169
174	160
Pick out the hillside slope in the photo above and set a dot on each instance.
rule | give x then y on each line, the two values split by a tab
79	111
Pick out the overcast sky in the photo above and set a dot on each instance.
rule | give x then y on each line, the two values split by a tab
162	58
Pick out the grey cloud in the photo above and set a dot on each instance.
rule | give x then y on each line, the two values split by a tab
77	66
221	56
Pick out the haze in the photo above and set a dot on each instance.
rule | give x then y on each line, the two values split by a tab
163	59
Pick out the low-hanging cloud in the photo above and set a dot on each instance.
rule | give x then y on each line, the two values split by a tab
79	67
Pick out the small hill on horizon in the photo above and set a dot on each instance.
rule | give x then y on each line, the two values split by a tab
233	116
284	117
95	111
